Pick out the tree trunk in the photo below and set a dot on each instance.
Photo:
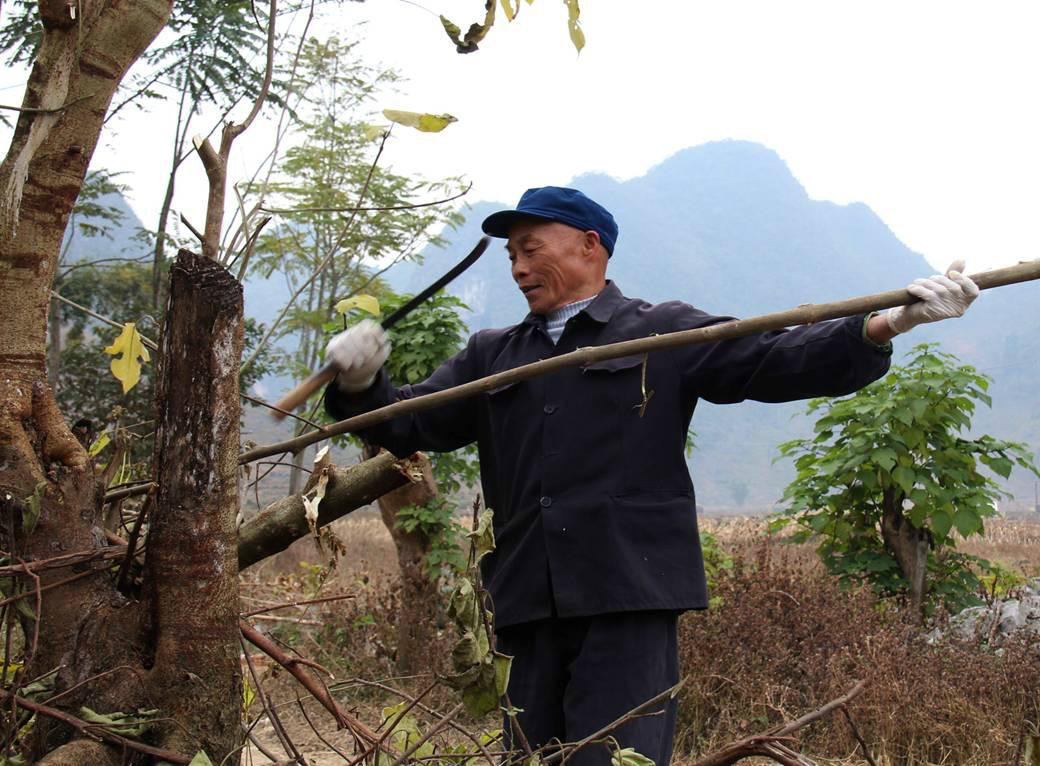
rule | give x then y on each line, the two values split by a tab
54	345
909	545
417	617
49	499
191	569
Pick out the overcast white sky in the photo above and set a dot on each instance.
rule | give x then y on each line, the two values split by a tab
925	110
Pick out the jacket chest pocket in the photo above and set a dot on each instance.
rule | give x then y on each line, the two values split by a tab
620	382
646	421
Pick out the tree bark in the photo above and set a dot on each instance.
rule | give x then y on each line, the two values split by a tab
49	498
909	545
191	568
280	524
417	617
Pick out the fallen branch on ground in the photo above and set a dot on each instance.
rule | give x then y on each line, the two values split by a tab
93	730
773	743
318	690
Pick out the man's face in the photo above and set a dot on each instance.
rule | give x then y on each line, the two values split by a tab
550	264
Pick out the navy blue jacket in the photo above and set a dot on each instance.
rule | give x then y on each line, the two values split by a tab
593	505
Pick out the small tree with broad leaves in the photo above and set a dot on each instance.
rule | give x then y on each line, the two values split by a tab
890	480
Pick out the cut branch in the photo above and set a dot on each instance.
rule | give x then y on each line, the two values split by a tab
284	521
772	744
93	730
318	690
737	328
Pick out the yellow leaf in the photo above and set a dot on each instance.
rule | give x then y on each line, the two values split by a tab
367	303
129	352
99	444
427	123
577	36
507	9
474	34
372	132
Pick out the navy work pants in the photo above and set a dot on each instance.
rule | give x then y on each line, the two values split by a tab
572	676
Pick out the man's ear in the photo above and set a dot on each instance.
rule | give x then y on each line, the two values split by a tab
590	241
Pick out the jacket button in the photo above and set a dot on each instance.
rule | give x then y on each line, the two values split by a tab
546	501
549	409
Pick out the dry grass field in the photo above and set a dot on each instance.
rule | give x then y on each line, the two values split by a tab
782	641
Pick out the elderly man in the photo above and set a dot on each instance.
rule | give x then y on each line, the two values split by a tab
594	514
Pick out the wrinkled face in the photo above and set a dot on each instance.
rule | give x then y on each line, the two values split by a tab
551	264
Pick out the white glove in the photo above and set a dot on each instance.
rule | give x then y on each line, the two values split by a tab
359	352
942	297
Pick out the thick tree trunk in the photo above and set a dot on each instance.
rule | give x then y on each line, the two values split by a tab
191	569
54	345
48	495
909	545
416	619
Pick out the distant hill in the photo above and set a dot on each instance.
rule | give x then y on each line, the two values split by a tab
726	227
119	241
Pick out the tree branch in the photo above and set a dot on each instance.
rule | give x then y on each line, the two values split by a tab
319	691
321	266
413	206
284	521
770	744
236	130
737	328
56	110
94	731
146	341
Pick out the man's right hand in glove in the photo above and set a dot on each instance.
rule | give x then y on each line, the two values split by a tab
358	352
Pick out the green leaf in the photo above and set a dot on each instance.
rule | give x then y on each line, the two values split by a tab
941	523
201	759
904	477
463	604
884	456
480	699
483	536
130	353
1000	465
967	523
427	123
629	757
127	724
503	664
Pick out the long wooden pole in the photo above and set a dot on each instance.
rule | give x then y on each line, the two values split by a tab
737	328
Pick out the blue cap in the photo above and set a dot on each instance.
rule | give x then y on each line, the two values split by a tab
555	203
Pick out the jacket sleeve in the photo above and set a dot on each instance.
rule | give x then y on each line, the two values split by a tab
826	359
440	429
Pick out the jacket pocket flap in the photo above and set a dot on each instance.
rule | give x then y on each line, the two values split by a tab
615	365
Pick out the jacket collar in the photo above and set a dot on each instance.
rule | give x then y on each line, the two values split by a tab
600	310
